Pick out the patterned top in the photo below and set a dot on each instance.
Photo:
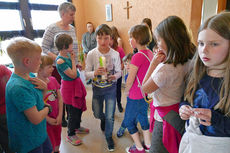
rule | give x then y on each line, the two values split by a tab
207	96
20	96
48	39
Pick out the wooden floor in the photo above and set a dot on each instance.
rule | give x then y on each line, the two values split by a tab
95	142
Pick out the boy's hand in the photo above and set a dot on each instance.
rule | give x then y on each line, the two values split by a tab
100	71
111	77
40	84
185	112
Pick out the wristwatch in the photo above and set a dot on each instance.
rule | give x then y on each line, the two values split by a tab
50	108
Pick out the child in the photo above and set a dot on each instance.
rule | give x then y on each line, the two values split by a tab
126	60
104	72
53	98
25	107
166	81
206	103
114	45
72	89
4	77
136	107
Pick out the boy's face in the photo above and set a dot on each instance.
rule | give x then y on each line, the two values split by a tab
103	41
46	71
33	62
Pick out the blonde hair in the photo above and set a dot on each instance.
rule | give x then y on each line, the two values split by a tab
220	24
21	47
46	60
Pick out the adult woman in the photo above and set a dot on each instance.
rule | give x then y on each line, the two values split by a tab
67	12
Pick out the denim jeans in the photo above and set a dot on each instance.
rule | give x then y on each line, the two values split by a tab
136	110
109	97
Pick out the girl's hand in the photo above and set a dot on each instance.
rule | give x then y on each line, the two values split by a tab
59	119
72	55
51	121
40	84
126	92
159	57
185	112
204	115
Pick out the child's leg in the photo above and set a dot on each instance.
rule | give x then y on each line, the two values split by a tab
97	106
156	142
110	105
119	82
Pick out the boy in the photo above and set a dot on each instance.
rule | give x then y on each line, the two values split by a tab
104	67
25	108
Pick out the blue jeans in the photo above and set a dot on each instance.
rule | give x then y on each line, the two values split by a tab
136	110
46	147
110	104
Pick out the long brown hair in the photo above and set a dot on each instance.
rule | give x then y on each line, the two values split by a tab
220	24
177	39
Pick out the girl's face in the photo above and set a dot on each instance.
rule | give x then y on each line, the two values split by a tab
212	48
111	42
132	42
70	49
46	71
161	43
127	65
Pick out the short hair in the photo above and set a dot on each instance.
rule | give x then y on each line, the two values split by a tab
46	60
174	32
20	47
62	41
141	33
127	57
103	29
65	7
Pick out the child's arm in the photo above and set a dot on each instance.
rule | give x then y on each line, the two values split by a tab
40	84
51	121
60	107
131	77
117	67
35	116
72	73
148	85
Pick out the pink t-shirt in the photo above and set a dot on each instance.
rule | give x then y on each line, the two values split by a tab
142	63
52	97
121	53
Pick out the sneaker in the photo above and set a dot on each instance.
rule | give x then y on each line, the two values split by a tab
110	144
74	140
120	107
64	123
146	148
133	149
82	130
120	132
102	125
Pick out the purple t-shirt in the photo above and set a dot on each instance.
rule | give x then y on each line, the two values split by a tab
142	63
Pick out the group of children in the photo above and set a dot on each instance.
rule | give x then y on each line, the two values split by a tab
173	72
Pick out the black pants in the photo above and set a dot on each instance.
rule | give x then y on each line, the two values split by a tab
119	81
74	119
4	134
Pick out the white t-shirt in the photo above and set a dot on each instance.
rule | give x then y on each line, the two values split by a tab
171	83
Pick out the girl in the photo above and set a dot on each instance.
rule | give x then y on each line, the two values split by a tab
115	31
148	22
53	98
206	102
72	89
114	44
136	108
166	81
